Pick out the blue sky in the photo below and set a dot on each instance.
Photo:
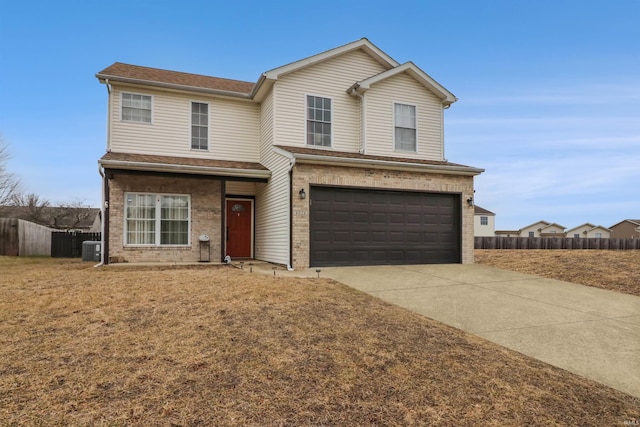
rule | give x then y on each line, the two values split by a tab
549	91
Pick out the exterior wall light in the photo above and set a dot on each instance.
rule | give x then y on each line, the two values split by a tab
470	201
302	193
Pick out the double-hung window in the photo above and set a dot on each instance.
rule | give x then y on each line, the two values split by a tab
157	219
136	108
404	117
484	220
199	126
318	121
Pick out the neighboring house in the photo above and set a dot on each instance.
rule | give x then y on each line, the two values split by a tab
65	218
335	159
484	222
626	229
589	230
542	229
507	233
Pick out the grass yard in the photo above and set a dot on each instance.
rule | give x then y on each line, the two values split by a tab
614	270
207	345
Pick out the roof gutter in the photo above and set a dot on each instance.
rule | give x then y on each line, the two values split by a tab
386	164
201	170
106	78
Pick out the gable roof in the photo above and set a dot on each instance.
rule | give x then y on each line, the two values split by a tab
536	223
136	74
268	78
589	226
553	225
477	210
362	44
176	80
632	221
414	71
586	224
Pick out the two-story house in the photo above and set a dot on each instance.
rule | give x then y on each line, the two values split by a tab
484	222
335	159
626	229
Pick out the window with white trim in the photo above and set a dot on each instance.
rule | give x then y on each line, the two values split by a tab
199	126
531	234
404	117
136	108
484	220
318	121
157	219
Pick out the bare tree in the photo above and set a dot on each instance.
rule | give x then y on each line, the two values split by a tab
36	207
9	183
70	214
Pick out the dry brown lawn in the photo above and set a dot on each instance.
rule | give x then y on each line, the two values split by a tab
206	345
614	270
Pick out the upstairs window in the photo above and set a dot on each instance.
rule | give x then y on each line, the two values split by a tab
318	121
404	117
136	108
531	234
484	220
199	126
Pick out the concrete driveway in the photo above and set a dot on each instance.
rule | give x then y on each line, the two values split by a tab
588	331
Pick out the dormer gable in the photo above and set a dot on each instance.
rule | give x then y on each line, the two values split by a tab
414	71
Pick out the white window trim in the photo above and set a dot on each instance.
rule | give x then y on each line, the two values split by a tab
141	94
306	121
191	102
393	130
157	219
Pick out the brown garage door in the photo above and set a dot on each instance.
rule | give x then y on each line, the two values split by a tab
368	227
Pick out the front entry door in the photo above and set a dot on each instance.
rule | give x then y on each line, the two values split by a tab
239	228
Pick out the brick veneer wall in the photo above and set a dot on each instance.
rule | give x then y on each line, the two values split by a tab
305	175
206	217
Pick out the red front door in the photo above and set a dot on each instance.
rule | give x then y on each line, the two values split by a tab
239	228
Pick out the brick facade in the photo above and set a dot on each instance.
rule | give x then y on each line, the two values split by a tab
206	217
305	175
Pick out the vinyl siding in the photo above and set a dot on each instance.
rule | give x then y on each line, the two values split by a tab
403	89
535	228
488	230
272	199
240	188
328	79
233	127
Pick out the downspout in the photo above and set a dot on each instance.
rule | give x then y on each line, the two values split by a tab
101	263
223	220
363	116
292	163
104	208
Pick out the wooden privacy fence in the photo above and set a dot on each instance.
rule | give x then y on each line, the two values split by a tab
69	245
554	243
24	238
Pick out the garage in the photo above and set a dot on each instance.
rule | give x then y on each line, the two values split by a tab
354	226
